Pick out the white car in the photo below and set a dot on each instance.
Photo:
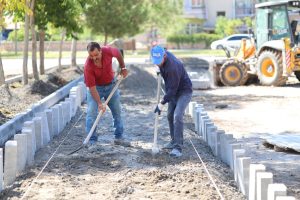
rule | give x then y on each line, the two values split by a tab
232	41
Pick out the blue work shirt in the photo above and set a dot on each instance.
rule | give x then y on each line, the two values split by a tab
176	79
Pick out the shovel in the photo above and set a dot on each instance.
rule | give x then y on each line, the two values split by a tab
155	148
87	139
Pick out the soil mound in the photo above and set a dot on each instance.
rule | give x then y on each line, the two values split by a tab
42	88
56	80
139	82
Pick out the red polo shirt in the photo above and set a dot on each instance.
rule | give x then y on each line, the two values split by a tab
95	76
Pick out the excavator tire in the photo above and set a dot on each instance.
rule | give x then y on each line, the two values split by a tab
233	73
270	68
297	74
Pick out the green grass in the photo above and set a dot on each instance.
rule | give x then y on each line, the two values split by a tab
128	53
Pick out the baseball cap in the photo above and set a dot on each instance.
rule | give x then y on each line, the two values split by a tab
157	54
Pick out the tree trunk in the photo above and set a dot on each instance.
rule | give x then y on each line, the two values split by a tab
25	50
60	49
34	49
2	77
16	39
105	38
73	49
42	52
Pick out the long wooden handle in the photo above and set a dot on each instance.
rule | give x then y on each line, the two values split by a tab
156	116
87	139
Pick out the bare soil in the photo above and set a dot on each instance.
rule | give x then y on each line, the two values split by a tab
108	171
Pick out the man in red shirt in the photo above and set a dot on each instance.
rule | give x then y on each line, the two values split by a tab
99	79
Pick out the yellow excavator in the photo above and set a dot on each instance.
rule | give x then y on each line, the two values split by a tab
272	54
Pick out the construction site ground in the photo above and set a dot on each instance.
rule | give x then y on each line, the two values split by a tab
107	171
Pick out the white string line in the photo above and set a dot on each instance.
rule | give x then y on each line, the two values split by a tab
33	182
210	177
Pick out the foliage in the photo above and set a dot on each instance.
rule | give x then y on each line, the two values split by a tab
225	27
116	18
166	15
9	6
193	39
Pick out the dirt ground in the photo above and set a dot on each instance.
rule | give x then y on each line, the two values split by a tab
107	171
252	113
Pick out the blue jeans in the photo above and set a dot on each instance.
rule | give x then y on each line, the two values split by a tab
114	105
176	110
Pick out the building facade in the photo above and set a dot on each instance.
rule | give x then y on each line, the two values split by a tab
202	14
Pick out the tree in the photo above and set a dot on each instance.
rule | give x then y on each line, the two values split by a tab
116	18
225	27
62	14
162	14
34	48
7	6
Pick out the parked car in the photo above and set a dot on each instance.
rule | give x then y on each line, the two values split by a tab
232	41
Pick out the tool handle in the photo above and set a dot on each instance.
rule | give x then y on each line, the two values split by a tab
87	139
156	116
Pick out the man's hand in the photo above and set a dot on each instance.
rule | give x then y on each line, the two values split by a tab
101	107
158	108
124	72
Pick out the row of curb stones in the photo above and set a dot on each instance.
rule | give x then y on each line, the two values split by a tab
252	179
37	132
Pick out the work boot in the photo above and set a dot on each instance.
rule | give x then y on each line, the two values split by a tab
168	145
175	153
122	142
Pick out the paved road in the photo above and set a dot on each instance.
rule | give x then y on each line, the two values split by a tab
14	66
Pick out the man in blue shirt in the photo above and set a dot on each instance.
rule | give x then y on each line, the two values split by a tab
178	87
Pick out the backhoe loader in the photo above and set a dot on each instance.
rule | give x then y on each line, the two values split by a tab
272	54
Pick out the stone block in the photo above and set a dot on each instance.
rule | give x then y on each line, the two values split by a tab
263	181
55	120
276	190
253	170
218	143
10	163
60	118
231	147
45	128
38	132
30	126
243	174
237	153
21	152
30	143
49	114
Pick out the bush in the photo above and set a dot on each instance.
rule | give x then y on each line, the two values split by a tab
193	39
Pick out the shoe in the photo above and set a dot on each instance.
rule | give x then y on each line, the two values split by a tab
175	153
168	145
122	142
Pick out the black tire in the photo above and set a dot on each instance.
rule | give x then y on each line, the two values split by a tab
219	46
233	73
297	74
270	68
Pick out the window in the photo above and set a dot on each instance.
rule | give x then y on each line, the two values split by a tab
244	8
221	13
197	3
237	38
193	28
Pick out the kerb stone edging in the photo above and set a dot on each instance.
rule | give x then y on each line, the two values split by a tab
14	125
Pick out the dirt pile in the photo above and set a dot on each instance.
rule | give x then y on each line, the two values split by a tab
16	98
139	81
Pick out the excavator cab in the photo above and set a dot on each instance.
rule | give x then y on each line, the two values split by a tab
276	40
